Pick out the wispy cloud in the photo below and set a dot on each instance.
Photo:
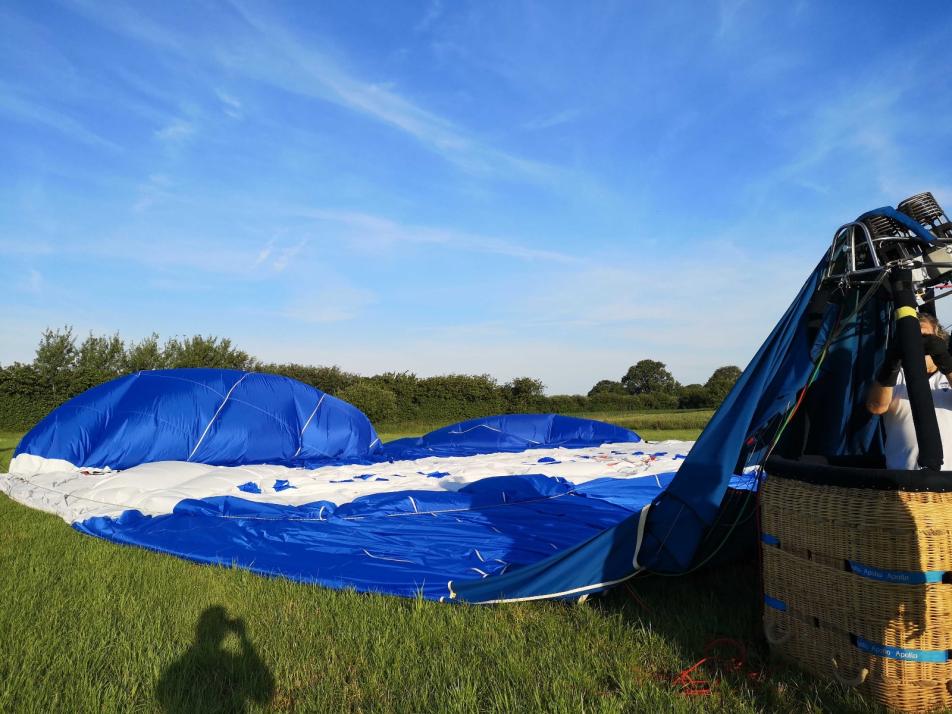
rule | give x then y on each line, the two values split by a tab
265	253
860	137
548	121
372	232
332	300
299	68
433	13
230	105
276	55
156	189
20	108
287	255
176	130
32	282
729	16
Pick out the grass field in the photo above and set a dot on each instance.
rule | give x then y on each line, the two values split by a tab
86	625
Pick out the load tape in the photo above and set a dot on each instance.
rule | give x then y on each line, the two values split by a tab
874	648
879	650
901	577
904	577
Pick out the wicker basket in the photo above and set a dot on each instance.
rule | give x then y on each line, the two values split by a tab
855	585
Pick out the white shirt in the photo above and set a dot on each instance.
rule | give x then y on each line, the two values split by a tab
902	447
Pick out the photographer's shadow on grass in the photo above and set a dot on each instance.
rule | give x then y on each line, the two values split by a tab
214	675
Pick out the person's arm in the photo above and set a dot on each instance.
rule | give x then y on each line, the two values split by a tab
938	350
880	392
879	398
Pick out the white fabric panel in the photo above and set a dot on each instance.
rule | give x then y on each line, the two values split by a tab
155	488
28	464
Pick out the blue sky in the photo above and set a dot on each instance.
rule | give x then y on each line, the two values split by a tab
552	189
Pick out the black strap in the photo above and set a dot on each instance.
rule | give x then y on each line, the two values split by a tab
914	368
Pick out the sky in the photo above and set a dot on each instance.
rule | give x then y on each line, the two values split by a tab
545	189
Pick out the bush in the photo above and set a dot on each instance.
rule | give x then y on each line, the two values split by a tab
567	403
332	380
655	401
378	403
694	396
458	396
404	386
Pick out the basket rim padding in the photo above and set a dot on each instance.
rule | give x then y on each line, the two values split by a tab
824	474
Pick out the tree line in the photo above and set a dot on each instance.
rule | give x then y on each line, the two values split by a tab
65	366
650	377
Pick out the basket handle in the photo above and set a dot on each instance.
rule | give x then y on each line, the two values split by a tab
773	635
849	681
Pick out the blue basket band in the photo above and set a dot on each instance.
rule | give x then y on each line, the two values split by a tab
769	539
902	654
904	577
775	603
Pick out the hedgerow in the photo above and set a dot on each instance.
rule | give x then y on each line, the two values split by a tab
65	367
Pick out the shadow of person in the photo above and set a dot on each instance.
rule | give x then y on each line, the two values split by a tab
211	676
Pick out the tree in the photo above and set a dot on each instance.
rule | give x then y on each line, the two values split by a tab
523	393
199	351
101	356
145	355
649	377
721	382
55	360
98	360
607	386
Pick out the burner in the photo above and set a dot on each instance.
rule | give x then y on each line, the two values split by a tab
926	210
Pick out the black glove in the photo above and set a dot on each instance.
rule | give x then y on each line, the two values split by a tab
888	374
938	350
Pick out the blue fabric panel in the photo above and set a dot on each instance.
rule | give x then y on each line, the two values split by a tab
410	542
632	494
903	654
212	416
775	603
905	577
769	539
678	518
837	426
921	232
590	566
509	432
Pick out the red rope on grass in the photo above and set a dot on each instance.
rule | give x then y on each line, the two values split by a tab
691	687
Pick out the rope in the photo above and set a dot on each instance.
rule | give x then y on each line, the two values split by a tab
731	664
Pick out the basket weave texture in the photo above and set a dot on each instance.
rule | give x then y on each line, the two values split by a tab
853	579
